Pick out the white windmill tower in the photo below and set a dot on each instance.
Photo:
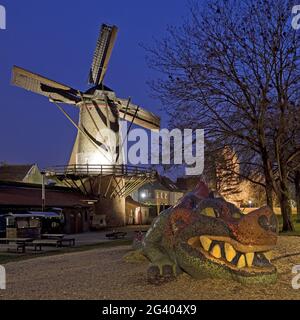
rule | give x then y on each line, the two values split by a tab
96	164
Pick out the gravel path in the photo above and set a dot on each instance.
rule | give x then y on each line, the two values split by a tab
103	274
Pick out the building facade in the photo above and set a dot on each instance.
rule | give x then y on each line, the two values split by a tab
77	209
158	195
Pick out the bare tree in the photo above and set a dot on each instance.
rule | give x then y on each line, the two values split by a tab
233	69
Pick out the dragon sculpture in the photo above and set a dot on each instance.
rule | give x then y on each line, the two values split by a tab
206	236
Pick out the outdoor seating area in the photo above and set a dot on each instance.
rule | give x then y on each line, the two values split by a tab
14	247
17	245
21	245
59	239
47	242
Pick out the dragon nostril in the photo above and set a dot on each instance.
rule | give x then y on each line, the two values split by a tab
268	225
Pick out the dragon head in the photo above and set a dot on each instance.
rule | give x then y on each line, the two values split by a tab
212	238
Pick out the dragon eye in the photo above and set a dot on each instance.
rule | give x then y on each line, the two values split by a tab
209	212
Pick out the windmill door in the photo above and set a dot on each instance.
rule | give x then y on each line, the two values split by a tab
72	223
79	223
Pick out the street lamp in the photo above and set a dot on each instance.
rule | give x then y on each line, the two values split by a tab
43	191
143	196
250	203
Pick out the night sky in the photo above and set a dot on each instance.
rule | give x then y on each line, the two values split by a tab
57	39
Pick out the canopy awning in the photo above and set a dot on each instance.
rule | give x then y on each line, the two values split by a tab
32	214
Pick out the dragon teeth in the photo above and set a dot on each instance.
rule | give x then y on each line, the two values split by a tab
249	258
268	255
216	251
245	259
242	262
230	252
205	242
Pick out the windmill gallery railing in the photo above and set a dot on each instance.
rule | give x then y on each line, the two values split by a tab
101	170
84	178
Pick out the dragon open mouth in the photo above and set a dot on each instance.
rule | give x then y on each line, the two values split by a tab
235	255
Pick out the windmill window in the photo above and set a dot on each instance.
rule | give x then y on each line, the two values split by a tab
10	222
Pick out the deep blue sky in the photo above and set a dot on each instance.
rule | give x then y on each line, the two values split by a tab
56	38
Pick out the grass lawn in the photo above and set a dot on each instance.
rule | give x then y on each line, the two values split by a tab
296	226
10	257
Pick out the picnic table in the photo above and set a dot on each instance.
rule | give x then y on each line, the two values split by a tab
53	240
18	244
38	244
52	236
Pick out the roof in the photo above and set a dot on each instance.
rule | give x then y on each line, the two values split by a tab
32	214
164	183
169	184
187	183
28	196
184	184
14	172
129	200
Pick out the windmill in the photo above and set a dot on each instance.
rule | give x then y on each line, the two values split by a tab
97	160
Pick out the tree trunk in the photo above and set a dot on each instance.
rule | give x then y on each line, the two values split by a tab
269	194
297	193
268	178
286	211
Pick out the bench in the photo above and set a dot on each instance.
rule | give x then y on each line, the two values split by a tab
38	244
53	236
116	235
16	247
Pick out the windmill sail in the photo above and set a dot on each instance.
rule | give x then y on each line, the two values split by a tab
43	86
102	53
139	116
